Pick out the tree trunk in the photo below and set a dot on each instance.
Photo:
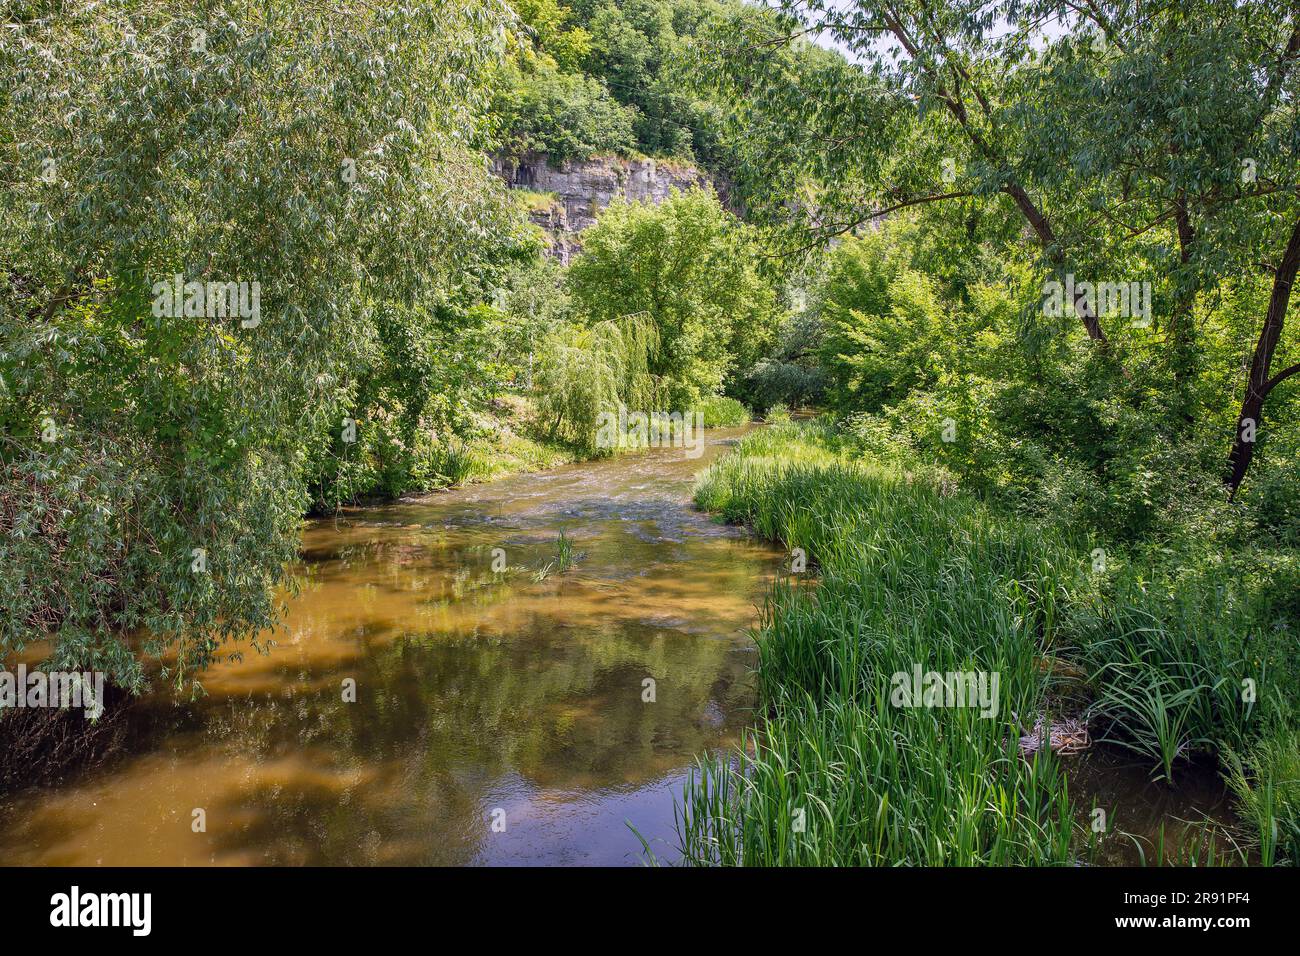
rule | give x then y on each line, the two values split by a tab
1043	229
1258	385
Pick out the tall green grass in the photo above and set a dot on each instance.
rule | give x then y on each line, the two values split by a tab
561	562
1267	782
914	574
721	412
908	577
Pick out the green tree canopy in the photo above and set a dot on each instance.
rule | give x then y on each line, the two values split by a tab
689	265
1130	142
320	154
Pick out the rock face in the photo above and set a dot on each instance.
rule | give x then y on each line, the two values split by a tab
580	189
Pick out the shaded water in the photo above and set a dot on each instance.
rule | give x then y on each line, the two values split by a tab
476	692
1149	822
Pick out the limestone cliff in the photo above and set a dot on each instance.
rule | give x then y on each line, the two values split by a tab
570	196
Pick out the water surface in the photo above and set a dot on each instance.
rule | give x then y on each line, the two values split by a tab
481	696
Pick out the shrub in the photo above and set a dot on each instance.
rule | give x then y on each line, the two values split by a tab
567	116
722	412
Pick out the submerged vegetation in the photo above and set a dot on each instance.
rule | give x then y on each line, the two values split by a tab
561	562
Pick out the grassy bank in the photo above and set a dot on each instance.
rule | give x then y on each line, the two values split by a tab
511	443
916	574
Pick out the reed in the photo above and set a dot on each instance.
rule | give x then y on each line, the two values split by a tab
913	574
560	562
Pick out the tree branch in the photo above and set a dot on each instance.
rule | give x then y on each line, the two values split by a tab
849	227
1278	378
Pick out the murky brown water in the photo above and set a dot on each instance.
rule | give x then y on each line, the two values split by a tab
1150	823
477	692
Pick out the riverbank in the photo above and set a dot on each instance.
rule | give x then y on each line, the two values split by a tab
1169	660
508	442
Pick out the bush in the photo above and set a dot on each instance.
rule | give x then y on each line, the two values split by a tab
722	412
567	116
688	265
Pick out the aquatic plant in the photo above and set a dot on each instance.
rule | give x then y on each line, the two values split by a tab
561	562
915	573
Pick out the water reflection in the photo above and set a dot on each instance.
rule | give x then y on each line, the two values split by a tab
476	691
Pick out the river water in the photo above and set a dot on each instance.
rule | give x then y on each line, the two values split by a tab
498	718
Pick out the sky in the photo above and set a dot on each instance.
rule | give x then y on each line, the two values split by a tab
1046	33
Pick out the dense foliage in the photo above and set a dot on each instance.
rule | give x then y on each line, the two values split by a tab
1035	261
663	309
1155	647
1054	279
1130	144
924	342
543	101
596	76
690	266
156	455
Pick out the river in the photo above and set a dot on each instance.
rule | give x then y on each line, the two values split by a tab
499	717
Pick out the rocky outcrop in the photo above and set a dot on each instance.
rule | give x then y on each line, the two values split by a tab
572	194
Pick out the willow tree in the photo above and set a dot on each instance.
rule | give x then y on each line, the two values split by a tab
587	372
312	156
691	267
1153	137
